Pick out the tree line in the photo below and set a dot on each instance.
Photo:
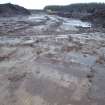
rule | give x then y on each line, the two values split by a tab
80	7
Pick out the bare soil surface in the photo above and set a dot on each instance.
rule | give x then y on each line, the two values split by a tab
45	60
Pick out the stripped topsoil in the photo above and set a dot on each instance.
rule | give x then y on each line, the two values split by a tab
45	60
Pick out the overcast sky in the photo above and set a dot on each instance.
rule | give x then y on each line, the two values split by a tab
39	4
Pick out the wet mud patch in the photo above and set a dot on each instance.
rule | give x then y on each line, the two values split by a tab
15	79
6	53
53	93
11	84
50	69
61	65
81	58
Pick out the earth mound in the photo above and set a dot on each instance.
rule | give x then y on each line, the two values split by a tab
9	9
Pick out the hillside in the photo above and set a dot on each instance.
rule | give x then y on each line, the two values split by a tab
94	12
12	10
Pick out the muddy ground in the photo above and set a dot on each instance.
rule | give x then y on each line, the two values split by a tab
46	60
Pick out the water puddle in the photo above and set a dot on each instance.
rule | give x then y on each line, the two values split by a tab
77	23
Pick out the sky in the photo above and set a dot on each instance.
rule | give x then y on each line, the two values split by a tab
40	4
